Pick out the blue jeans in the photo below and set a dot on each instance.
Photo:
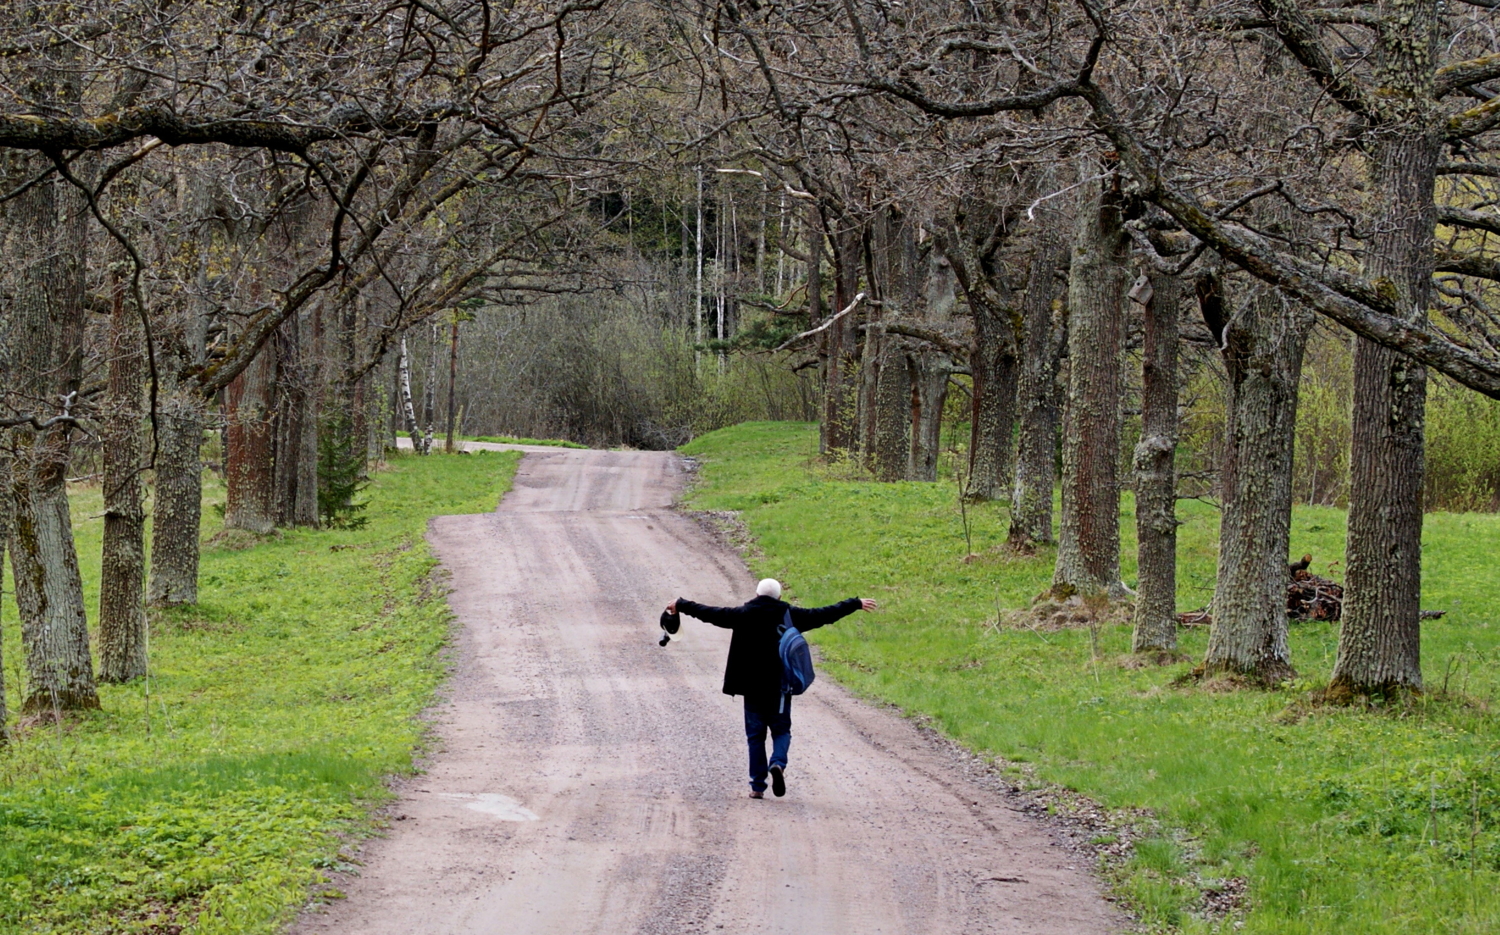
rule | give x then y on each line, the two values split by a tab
762	714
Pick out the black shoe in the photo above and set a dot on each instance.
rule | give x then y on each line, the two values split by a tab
778	782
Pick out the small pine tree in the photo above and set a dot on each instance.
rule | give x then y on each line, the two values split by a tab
341	474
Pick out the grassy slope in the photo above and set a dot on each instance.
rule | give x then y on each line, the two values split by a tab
276	708
1342	821
513	440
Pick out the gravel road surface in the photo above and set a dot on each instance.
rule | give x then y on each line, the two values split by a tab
587	781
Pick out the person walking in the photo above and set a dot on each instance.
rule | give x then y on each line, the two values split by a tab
754	669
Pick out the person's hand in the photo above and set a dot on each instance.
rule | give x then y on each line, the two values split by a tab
672	608
867	604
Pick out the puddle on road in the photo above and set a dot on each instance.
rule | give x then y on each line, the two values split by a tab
495	805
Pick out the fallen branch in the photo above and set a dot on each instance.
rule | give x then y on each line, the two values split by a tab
824	326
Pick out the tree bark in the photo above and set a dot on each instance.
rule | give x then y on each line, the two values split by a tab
47	321
840	391
892	436
1380	640
177	509
971	244
1155	473
5	511
177	514
1262	347
429	389
122	614
450	443
1088	555
930	371
6	368
867	406
250	449
408	410
888	413
305	504
295	425
1044	326
993	367
815	311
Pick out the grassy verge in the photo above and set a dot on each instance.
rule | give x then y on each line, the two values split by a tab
276	708
512	440
1339	821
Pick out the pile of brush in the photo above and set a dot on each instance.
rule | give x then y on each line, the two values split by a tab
1308	597
1312	597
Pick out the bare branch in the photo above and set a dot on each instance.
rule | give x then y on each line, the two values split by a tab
858	300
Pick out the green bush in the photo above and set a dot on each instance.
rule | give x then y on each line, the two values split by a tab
1463	449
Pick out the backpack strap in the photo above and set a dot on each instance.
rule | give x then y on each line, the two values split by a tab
786	692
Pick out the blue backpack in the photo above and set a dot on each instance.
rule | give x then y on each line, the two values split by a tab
796	659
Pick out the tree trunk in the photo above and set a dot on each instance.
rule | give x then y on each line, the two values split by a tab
122	614
896	391
305	503
47	321
1044	327
429	389
294	401
871	358
408	411
49	589
815	240
930	373
1155	473
931	370
1088	555
892	436
450	445
177	514
992	364
5	511
6	367
1380	640
1262	348
840	391
250	450
992	357
177	509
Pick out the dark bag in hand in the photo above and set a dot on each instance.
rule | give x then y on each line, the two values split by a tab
670	623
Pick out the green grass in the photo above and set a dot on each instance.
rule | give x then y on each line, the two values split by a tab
277	707
1342	821
512	440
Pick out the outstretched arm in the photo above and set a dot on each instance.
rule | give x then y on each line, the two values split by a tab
718	616
810	618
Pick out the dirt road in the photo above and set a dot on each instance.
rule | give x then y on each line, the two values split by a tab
589	781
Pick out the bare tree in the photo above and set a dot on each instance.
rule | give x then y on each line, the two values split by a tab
122	616
1155	471
1044	322
1088	553
48	227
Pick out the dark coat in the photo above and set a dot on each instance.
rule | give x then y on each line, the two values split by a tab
754	667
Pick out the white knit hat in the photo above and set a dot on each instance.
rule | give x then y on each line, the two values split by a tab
768	587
